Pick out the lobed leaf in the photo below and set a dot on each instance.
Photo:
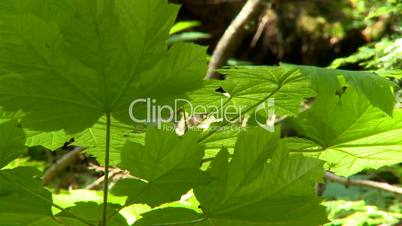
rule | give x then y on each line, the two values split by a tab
350	134
248	87
328	81
262	185
68	63
164	169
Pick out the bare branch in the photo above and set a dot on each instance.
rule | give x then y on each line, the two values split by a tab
363	183
113	173
233	35
351	182
65	161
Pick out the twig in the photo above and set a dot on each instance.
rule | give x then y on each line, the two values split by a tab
61	164
363	183
352	182
233	35
260	30
113	173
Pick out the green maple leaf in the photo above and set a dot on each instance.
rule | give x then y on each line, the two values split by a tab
262	185
71	64
350	134
247	87
164	169
328	81
68	63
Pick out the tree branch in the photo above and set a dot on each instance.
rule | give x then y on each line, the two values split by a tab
114	172
61	164
232	37
351	182
363	183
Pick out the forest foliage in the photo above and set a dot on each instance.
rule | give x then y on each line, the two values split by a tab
71	68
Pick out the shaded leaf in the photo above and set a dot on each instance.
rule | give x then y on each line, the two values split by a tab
12	139
23	200
170	216
92	138
262	185
68	63
91	212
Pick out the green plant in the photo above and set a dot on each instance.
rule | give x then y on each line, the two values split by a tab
358	213
71	68
381	21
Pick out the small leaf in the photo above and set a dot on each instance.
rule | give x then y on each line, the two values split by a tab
326	82
183	25
166	167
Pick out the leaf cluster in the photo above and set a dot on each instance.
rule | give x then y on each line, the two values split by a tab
70	68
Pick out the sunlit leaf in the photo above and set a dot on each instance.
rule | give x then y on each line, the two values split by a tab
246	88
262	185
350	134
328	81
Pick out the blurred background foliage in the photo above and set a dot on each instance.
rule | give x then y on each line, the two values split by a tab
348	34
359	206
362	33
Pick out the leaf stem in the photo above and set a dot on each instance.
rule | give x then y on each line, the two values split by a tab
106	182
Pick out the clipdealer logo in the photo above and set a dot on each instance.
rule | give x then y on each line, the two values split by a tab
264	113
